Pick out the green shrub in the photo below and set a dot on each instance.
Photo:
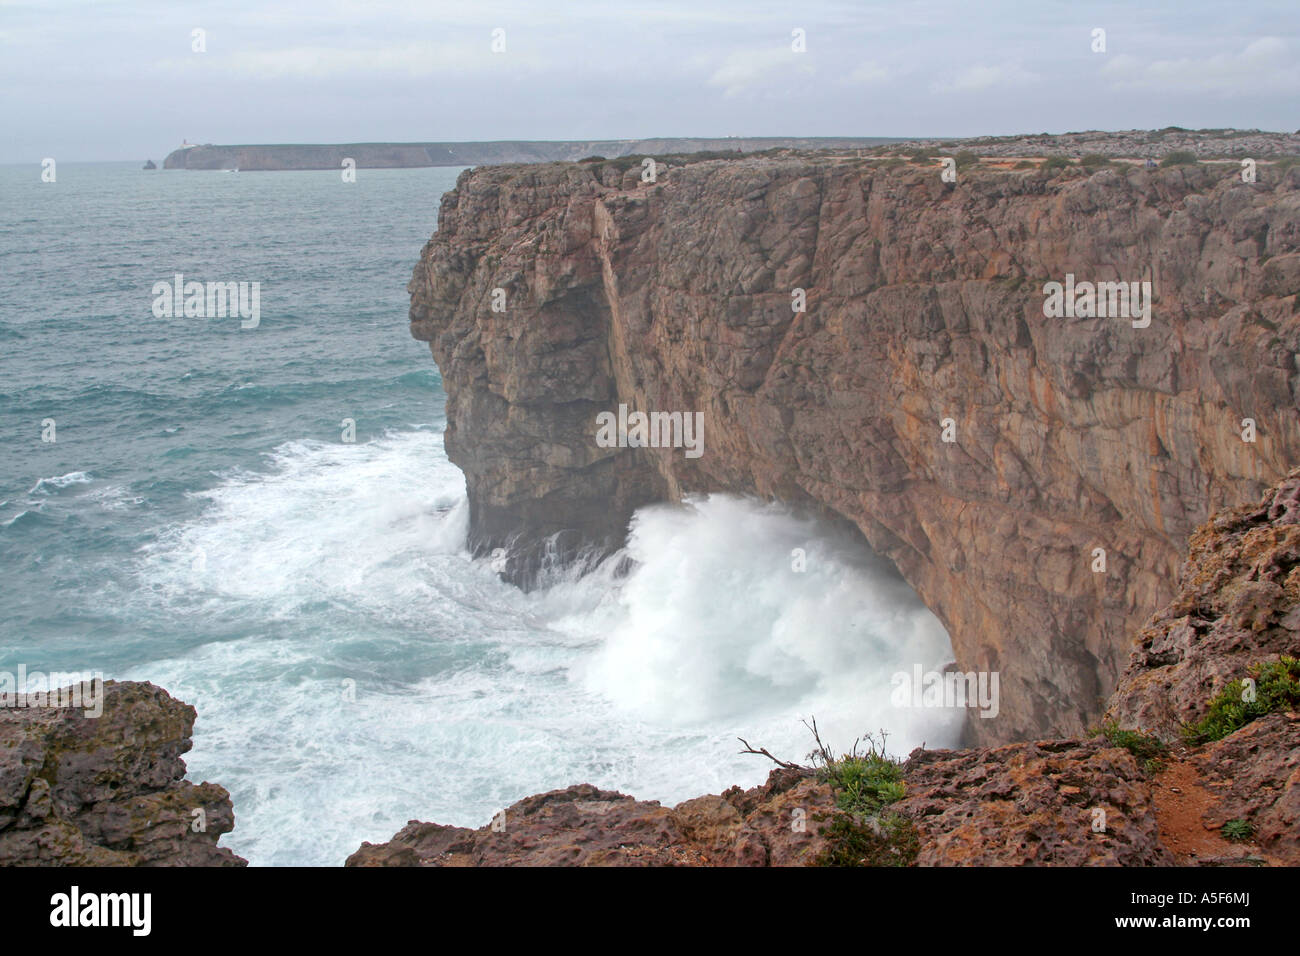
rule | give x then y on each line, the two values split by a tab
592	159
920	156
1094	159
1056	162
865	784
864	833
891	840
1237	831
1180	157
965	158
1149	750
1277	687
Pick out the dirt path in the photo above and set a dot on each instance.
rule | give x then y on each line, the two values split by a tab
1181	801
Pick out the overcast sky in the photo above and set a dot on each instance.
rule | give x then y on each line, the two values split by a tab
118	79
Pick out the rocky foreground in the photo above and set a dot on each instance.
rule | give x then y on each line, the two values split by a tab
109	790
1094	800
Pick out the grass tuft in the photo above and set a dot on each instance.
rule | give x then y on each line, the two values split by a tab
1149	750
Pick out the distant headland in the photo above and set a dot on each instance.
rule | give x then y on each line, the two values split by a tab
410	155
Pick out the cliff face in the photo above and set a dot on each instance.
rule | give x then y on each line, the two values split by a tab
924	303
107	790
1239	603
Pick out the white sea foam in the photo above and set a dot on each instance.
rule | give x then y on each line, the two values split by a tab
59	482
341	569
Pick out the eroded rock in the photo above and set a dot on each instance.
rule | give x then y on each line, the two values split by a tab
79	790
585	826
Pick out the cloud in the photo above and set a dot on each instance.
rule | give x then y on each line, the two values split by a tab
742	70
977	79
1262	66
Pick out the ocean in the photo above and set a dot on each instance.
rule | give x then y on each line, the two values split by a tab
199	521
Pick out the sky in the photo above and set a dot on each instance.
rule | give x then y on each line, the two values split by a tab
122	79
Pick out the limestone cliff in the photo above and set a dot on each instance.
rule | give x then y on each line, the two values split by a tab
924	302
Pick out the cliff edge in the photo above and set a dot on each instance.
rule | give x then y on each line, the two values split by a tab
1082	451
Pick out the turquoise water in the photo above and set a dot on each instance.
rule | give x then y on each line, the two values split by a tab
199	522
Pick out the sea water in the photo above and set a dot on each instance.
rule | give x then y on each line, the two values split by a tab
200	521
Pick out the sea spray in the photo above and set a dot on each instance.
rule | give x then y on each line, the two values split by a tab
359	669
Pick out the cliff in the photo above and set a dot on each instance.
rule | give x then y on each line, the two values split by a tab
78	789
924	302
1213	785
410	155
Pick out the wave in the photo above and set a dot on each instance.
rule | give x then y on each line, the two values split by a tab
353	666
59	482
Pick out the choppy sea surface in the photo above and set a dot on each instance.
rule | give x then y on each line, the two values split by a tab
199	522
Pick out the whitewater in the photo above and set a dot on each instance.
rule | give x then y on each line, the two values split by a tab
199	523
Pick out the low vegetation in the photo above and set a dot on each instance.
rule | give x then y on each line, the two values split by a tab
1276	688
865	781
890	840
1237	831
1149	750
624	163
